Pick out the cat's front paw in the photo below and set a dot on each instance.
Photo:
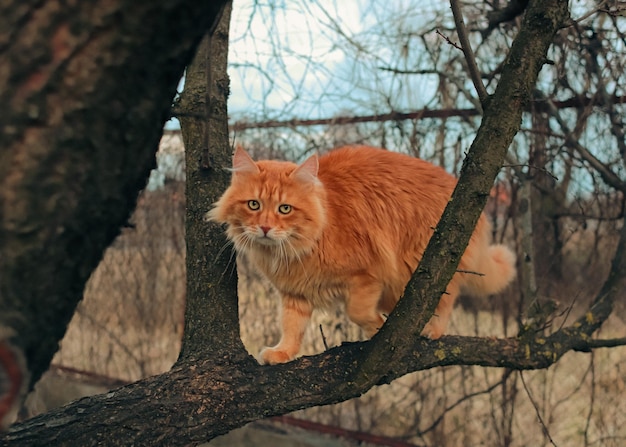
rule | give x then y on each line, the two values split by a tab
434	329
272	356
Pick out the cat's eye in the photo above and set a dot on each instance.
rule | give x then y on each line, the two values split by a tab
254	205
284	208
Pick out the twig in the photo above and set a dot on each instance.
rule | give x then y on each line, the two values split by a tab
607	343
117	340
472	67
459	402
568	311
544	170
532	401
512	10
592	399
609	177
470	272
323	338
447	39
598	8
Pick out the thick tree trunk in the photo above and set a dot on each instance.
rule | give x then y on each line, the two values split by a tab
85	90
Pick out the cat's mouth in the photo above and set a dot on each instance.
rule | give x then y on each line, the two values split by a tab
269	239
266	240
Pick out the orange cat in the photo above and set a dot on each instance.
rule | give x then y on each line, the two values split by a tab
349	227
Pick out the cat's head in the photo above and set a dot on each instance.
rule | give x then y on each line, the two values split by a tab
272	205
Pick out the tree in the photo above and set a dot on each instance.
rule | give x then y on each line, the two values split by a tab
83	116
216	386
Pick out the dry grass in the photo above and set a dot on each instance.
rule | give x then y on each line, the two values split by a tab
130	322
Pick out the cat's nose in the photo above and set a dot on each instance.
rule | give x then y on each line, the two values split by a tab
265	229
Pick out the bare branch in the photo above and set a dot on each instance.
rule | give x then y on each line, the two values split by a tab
459	401
597	8
528	270
575	102
447	39
605	172
357	436
511	11
472	67
537	411
606	343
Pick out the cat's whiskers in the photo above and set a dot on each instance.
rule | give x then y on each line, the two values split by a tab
221	250
229	242
237	237
296	254
229	263
283	258
244	242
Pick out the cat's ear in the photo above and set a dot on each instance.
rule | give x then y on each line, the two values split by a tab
242	162
307	171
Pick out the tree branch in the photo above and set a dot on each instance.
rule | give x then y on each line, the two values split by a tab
472	67
210	269
498	16
188	404
607	343
609	177
576	102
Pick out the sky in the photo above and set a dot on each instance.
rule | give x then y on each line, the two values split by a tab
327	55
303	60
260	34
308	54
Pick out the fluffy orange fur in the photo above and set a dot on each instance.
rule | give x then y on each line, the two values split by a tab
350	226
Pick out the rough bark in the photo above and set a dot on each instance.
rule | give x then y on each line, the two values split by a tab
209	392
211	271
85	89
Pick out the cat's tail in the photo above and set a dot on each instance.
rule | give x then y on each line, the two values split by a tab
494	271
